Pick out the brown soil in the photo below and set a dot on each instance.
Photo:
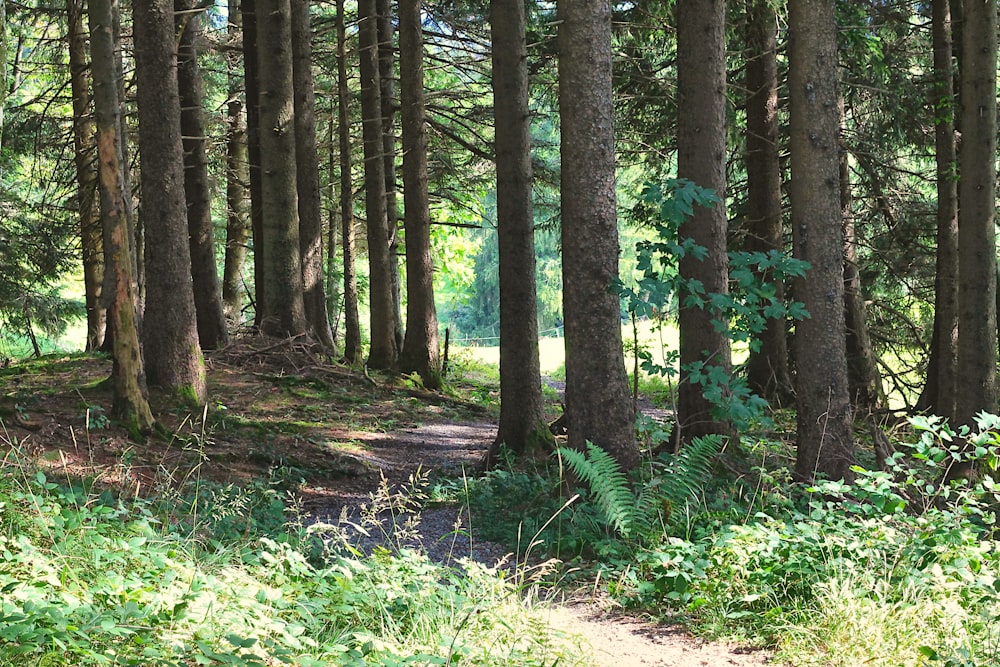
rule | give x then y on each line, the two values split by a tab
279	406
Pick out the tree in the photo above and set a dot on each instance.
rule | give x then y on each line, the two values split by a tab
128	376
977	331
701	158
825	438
237	173
251	90
521	407
3	64
170	333
420	346
863	379
387	101
352	328
283	307
211	318
939	392
384	350
598	407
767	369
307	182
85	160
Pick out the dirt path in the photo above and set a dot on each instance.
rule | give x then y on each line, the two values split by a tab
615	640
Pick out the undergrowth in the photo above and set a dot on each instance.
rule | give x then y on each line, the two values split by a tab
90	578
898	568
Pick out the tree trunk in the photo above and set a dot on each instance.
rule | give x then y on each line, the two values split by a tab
863	379
170	331
283	306
701	158
420	346
767	368
977	331
211	319
939	392
3	65
598	405
251	74
825	438
384	349
352	326
85	159
387	99
521	407
237	176
128	377
307	170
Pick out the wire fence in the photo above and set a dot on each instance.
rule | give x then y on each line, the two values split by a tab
493	341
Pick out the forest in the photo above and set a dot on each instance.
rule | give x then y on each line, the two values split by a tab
370	332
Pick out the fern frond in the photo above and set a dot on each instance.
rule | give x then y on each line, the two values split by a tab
608	484
666	500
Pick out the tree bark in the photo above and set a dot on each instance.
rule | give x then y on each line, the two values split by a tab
283	306
977	331
211	319
825	437
170	333
251	73
598	405
521	407
701	158
420	346
387	99
128	376
938	396
307	170
767	369
85	160
352	325
237	175
384	349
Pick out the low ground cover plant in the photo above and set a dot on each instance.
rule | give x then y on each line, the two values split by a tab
899	568
91	578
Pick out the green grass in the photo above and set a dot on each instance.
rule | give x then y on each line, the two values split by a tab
220	576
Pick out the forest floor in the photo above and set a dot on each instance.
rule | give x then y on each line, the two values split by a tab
279	409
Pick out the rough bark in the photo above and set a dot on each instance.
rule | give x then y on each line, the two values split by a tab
701	158
598	405
977	332
420	345
251	74
283	306
352	322
211	319
384	349
767	369
521	407
170	333
237	175
85	160
128	377
825	437
939	392
307	171
388	102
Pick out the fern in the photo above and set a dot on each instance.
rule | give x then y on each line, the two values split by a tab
659	506
678	483
610	488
